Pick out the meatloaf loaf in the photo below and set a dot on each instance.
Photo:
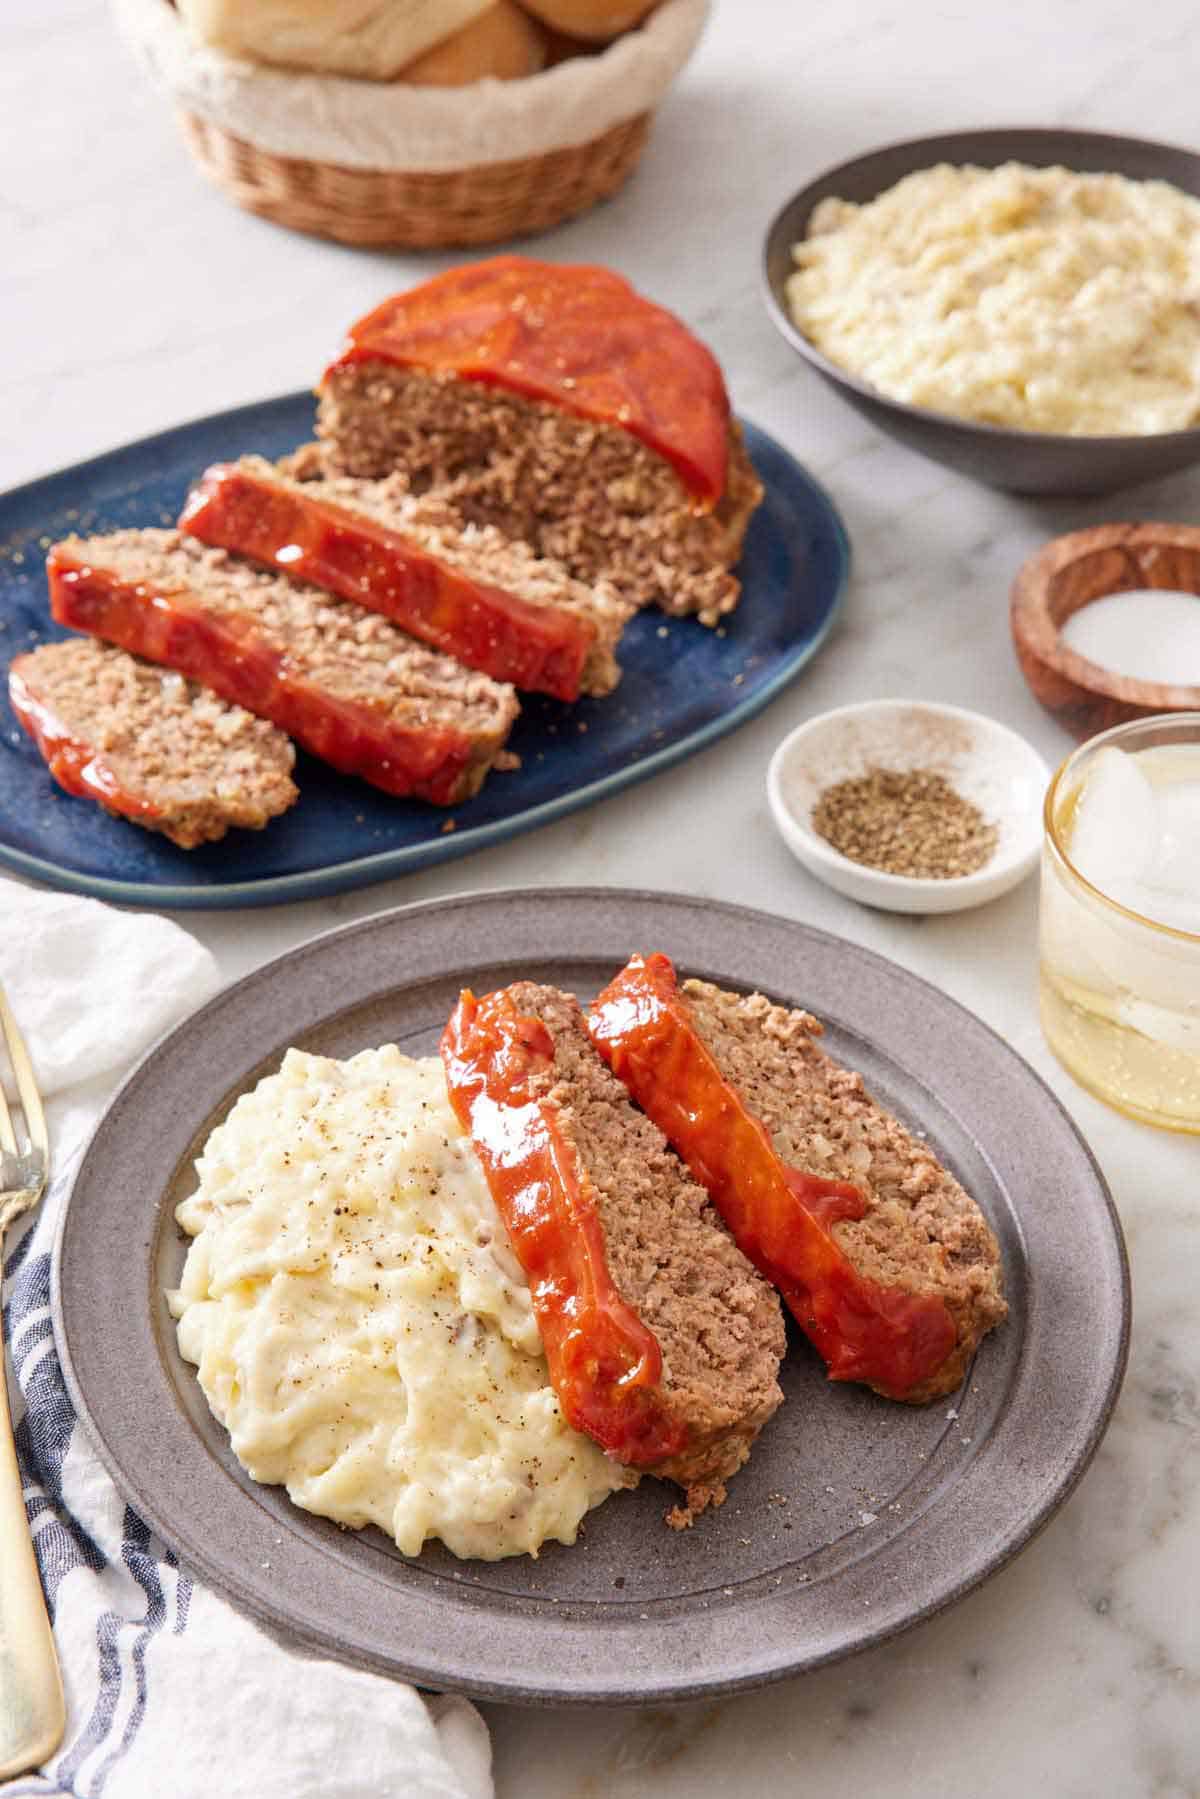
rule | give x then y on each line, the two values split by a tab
887	1264
343	682
561	407
468	591
663	1342
149	745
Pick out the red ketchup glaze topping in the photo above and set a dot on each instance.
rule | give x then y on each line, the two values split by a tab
535	647
573	334
224	654
604	1363
74	764
779	1216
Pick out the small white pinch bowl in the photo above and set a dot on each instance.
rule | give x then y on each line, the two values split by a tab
985	761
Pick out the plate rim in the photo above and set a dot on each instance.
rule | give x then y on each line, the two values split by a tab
392	864
275	1614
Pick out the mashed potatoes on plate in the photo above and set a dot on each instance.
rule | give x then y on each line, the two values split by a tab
1016	296
359	1323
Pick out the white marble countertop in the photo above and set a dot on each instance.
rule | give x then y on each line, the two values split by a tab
134	297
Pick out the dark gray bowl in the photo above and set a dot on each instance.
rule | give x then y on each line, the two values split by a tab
1033	462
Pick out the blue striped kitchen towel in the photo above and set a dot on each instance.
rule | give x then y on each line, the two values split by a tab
170	1692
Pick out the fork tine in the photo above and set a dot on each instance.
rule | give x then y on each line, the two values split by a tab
8	1141
31	1099
8	1138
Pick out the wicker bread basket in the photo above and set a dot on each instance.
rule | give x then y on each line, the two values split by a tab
378	163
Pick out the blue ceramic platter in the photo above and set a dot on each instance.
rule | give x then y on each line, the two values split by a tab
683	687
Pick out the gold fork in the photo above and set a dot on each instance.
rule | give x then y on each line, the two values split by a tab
32	1712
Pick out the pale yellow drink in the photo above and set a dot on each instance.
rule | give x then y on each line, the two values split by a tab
1120	919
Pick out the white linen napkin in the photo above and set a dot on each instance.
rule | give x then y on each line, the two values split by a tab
399	125
169	1690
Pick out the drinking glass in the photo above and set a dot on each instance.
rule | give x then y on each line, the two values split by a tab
1120	991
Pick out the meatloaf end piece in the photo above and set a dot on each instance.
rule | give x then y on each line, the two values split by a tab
925	1268
583	493
149	745
348	685
629	1264
463	589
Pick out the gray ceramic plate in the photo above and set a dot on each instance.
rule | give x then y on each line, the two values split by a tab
853	1519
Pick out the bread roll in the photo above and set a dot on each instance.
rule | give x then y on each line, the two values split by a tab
373	39
595	20
502	41
561	48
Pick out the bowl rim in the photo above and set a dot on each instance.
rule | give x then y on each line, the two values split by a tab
1011	434
1029	598
981	880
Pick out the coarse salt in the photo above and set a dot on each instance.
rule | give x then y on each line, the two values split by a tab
1149	634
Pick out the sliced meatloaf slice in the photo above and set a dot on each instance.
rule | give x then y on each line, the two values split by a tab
149	745
887	1264
464	589
584	494
343	682
663	1342
557	404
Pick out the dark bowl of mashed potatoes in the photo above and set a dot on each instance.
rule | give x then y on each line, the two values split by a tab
1020	305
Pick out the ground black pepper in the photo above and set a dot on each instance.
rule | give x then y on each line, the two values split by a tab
906	822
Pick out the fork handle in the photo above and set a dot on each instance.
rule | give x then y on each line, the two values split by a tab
32	1711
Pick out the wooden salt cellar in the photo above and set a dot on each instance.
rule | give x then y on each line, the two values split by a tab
1067	574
